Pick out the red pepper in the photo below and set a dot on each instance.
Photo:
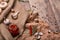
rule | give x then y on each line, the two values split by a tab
13	30
30	28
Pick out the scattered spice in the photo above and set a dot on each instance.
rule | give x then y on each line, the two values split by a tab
13	30
30	28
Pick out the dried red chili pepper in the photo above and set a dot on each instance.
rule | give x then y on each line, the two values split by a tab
13	30
30	28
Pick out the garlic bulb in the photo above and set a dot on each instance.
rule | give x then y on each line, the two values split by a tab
6	21
3	5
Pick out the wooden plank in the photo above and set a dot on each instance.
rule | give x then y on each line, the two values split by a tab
20	22
22	17
56	9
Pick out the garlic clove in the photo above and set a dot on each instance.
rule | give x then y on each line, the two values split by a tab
36	34
36	20
3	5
12	10
15	16
40	33
49	31
6	21
17	13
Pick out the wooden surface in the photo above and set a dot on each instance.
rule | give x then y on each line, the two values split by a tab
22	16
20	22
48	11
6	10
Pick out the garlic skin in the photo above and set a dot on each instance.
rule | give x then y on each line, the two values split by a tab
36	33
6	21
12	10
3	5
38	37
36	20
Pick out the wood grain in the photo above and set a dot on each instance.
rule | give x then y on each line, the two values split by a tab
6	11
48	11
5	33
